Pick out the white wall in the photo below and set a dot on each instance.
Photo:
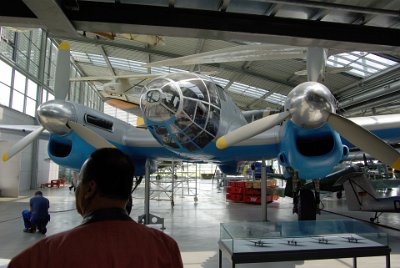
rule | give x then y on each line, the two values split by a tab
12	117
9	173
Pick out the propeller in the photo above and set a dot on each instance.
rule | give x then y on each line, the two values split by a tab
251	129
61	83
89	136
21	144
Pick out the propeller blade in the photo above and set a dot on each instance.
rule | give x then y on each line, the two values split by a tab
316	62
251	129
21	144
365	140
89	136
61	83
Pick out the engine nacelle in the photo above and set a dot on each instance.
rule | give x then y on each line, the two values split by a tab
311	152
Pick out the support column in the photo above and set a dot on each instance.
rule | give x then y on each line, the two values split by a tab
263	191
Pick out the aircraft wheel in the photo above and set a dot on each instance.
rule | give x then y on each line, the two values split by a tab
339	195
306	207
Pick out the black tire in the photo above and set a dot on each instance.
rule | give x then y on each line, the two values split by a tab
306	208
339	194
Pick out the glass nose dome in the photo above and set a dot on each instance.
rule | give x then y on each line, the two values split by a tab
182	111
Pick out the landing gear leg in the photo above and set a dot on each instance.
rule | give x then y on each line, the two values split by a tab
317	197
376	217
295	191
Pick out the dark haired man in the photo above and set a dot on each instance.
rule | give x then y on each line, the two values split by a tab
107	237
37	216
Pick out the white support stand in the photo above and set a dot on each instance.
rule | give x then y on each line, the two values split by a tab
148	218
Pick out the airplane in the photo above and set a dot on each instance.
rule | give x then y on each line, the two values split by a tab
361	196
190	118
352	239
259	243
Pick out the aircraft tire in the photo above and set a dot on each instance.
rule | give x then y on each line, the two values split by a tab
306	207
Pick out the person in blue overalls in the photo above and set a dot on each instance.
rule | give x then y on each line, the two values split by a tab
38	215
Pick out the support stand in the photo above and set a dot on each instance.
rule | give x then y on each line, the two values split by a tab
263	191
148	218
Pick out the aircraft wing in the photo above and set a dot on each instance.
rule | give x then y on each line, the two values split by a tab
252	52
129	103
112	77
384	126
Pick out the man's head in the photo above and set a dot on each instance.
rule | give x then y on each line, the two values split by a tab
106	174
39	193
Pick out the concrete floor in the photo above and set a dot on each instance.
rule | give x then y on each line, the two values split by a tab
194	225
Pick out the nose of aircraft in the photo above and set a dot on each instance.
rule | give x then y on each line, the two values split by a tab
54	116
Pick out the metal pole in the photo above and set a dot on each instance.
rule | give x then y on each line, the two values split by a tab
173	183
147	193
263	191
195	179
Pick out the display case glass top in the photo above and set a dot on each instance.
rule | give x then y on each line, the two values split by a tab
244	237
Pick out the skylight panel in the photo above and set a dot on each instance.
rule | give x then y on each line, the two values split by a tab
220	81
79	56
158	70
381	60
165	70
128	65
362	64
276	98
247	90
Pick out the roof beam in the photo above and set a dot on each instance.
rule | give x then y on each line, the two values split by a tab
105	56
99	16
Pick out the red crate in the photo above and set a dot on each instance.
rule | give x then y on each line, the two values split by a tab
231	184
241	184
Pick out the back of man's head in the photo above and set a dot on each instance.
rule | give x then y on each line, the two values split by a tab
39	193
113	172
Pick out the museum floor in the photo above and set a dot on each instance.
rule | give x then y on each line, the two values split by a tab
195	226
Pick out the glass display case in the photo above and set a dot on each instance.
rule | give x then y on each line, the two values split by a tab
302	240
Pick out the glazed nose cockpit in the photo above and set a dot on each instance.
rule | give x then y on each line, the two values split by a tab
182	111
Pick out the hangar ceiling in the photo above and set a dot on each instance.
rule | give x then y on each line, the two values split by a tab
115	37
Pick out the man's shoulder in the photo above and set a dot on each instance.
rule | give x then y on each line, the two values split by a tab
155	232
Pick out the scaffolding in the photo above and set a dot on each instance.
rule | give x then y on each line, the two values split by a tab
179	179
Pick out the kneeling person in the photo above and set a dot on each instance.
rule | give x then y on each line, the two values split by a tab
38	215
